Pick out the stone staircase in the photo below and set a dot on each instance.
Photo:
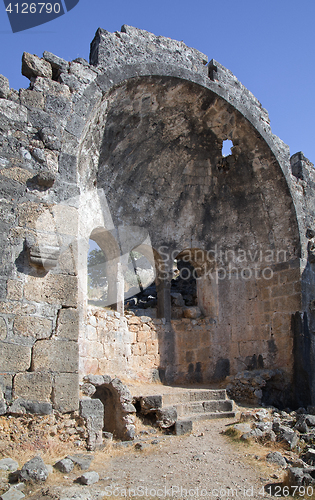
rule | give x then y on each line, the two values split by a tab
191	404
200	404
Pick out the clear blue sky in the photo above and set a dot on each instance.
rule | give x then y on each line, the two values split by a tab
269	46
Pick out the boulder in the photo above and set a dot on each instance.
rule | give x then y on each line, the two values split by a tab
89	478
166	417
34	470
275	457
82	461
65	465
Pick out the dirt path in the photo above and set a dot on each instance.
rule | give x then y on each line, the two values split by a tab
205	464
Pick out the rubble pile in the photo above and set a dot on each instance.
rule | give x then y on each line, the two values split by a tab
257	386
294	430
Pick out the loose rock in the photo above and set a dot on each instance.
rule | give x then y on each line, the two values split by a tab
89	478
34	470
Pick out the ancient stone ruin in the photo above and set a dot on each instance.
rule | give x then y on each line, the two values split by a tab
128	151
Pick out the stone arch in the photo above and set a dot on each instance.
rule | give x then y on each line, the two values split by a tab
216	108
187	195
117	401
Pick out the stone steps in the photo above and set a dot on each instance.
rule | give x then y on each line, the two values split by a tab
191	404
202	407
190	395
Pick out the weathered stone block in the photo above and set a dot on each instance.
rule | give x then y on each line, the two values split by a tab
49	136
50	87
143	336
56	356
183	427
14	358
58	105
8	464
65	219
54	289
21	406
33	66
13	111
68	167
139	349
71	82
192	312
17	174
275	457
34	470
6	383
32	99
4	87
14	290
150	403
89	478
88	389
66	465
152	347
98	380
3	406
57	63
84	73
33	386
28	214
80	460
68	324
92	410
43	256
12	494
134	321
75	125
3	329
42	120
92	349
166	417
66	392
91	332
32	326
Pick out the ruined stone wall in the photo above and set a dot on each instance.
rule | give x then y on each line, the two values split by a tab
39	288
127	150
116	344
209	349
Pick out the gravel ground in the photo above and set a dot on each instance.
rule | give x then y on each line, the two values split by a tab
205	464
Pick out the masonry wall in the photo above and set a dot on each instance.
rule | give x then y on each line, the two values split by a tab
211	348
136	142
115	344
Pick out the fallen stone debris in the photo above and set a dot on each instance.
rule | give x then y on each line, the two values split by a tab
294	431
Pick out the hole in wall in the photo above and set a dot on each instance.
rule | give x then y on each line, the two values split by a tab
227	147
184	285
